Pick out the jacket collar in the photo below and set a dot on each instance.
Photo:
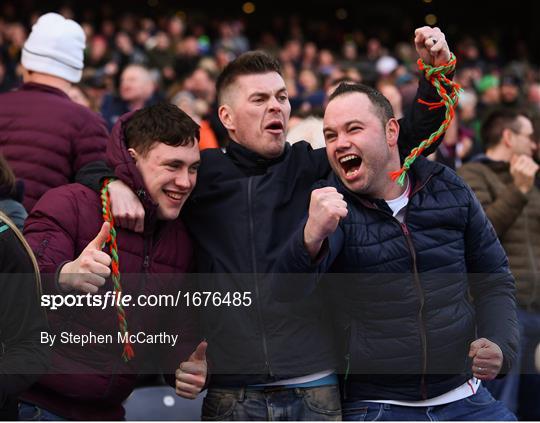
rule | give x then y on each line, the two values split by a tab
33	86
497	165
250	162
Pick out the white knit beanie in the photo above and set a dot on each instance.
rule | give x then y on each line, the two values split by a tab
55	47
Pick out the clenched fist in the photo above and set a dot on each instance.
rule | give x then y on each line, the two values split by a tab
523	170
326	208
431	46
487	359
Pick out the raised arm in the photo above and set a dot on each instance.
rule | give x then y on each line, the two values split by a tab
419	122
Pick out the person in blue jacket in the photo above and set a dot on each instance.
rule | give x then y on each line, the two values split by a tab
415	346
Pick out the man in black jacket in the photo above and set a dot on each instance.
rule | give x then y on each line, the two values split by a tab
415	348
269	361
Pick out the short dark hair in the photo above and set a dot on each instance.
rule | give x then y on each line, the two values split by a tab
249	63
496	122
382	106
162	122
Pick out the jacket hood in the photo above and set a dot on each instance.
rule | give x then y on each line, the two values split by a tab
119	159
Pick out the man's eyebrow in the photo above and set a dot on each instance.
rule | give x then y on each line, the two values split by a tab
266	93
172	162
349	122
258	93
178	162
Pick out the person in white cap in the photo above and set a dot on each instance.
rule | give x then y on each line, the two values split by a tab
45	137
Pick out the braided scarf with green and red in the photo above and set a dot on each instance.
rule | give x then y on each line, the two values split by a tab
127	353
436	75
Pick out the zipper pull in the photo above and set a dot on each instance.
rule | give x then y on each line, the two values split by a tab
405	229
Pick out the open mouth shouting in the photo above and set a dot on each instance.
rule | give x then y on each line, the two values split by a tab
275	127
350	164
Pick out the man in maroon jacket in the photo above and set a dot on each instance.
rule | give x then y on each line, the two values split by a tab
45	137
155	152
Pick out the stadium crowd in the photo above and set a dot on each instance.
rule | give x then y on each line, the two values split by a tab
132	64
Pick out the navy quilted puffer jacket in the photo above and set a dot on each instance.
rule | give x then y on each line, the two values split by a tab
404	315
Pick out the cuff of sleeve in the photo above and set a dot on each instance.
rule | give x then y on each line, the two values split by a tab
427	91
507	354
304	255
516	197
57	276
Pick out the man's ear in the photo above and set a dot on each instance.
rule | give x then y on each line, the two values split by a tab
392	132
507	138
134	155
226	116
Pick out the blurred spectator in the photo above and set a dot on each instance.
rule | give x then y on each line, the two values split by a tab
231	38
386	65
391	92
196	109
310	95
309	57
202	84
126	52
511	93
78	94
161	56
326	62
45	137
187	56
309	129
469	124
98	60
11	195
504	181
137	90
489	95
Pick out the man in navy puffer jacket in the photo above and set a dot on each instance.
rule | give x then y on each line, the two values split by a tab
415	347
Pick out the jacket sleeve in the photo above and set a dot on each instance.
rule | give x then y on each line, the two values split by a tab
503	210
492	286
92	175
50	230
24	358
296	274
91	142
420	122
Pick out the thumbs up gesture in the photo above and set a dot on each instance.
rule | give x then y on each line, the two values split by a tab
191	375
487	359
88	272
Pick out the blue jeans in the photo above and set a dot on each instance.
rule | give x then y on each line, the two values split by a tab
479	407
31	412
273	404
